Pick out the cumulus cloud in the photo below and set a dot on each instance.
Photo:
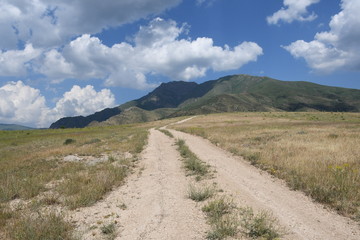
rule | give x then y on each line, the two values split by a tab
294	10
25	105
17	62
157	49
28	20
83	101
335	49
21	104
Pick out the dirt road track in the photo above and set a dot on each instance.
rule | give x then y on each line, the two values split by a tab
249	186
156	200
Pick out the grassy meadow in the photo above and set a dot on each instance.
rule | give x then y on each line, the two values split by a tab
34	174
318	153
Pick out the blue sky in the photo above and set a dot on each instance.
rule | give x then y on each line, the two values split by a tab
74	57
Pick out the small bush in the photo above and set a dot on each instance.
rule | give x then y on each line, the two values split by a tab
108	229
69	141
227	220
218	208
262	225
201	193
253	158
224	227
333	136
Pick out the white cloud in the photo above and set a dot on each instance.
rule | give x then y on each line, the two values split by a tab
21	104
294	10
28	20
25	105
83	101
17	62
203	2
157	49
336	49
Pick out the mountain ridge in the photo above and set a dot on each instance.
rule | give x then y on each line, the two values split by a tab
226	94
13	127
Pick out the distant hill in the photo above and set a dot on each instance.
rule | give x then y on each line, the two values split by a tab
80	121
135	115
13	127
227	94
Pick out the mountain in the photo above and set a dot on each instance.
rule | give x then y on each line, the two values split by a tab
80	121
249	93
172	94
135	115
13	127
227	94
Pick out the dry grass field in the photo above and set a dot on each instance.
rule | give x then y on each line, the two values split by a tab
65	168
318	153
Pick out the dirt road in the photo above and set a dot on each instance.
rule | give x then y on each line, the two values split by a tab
156	200
153	203
249	186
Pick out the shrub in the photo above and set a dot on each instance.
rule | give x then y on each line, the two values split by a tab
108	229
201	193
69	141
218	208
262	225
226	226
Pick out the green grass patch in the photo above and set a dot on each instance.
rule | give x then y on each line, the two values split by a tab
200	193
226	226
191	162
217	208
227	220
261	225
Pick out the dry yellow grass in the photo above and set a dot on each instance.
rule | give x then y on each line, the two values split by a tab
31	165
317	153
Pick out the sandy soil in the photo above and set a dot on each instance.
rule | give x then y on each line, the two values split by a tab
152	205
250	186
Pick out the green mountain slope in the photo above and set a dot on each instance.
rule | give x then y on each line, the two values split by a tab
248	93
227	94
